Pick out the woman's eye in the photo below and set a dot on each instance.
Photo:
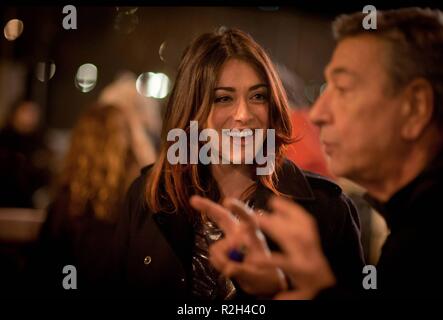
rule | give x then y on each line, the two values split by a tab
259	97
222	99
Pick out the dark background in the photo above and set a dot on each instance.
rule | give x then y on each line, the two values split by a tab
299	38
296	34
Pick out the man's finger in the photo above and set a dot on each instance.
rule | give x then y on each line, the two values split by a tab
275	260
221	216
244	213
273	226
277	229
232	270
293	295
218	254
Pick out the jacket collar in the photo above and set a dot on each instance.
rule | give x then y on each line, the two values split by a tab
291	182
419	191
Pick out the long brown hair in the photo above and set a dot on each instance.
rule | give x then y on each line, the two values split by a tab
95	170
169	187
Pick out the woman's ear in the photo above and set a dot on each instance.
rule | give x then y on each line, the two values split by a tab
417	108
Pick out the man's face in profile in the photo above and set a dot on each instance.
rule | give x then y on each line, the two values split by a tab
358	113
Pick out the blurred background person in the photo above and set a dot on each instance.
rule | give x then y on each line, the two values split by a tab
103	159
25	158
122	92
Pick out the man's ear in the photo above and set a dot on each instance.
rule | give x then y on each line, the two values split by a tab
417	108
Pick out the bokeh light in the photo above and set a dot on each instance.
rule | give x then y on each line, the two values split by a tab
161	51
312	90
155	85
128	10
13	29
86	77
322	88
126	21
44	71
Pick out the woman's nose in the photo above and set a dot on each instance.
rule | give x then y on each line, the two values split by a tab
242	111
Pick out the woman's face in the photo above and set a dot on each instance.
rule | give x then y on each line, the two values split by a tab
240	106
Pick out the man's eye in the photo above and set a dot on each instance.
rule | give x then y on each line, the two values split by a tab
341	90
222	99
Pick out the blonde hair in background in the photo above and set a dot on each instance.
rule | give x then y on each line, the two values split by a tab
96	166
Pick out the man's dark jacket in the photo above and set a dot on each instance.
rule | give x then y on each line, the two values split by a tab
410	263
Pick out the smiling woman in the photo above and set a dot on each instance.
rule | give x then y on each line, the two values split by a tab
227	86
241	106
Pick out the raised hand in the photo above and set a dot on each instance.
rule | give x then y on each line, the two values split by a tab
241	233
302	258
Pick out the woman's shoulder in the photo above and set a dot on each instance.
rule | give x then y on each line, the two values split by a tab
139	184
325	197
136	195
305	184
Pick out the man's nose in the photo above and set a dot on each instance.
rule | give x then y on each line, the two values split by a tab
320	112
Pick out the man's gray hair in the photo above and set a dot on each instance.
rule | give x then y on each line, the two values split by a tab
415	46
